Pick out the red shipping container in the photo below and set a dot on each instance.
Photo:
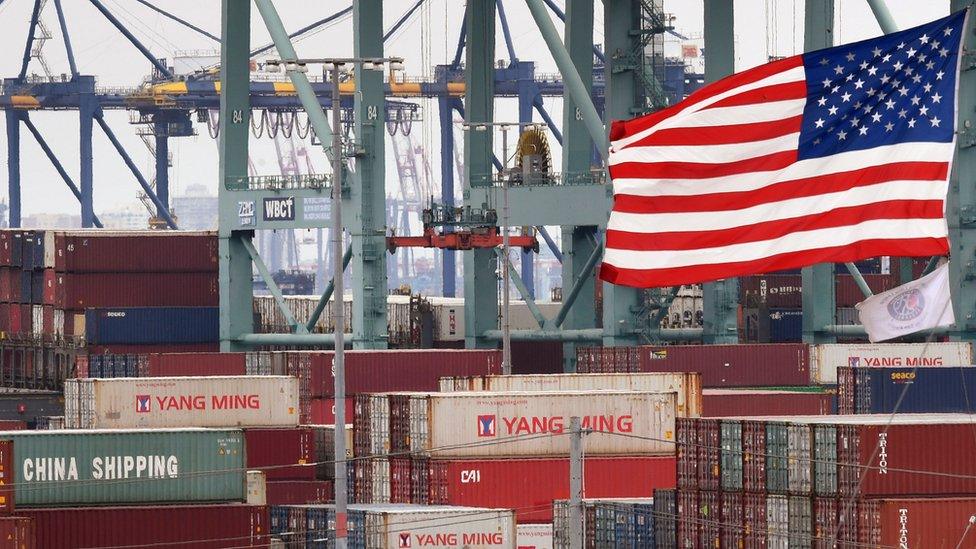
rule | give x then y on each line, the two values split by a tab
283	454
12	425
48	318
709	444
51	282
757	402
732	523
14	326
81	365
5	295
824	523
4	317
85	290
754	521
747	365
388	371
136	251
709	518
537	357
6	477
530	485
26	318
400	480
932	458
17	533
773	290
849	294
916	523
197	526
754	456
688	537
323	411
195	364
298	492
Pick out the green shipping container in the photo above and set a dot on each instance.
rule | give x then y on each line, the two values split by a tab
59	468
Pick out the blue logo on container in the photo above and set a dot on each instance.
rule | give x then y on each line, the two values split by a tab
907	305
486	426
142	403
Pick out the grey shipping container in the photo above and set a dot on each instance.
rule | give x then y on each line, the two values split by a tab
799	478
58	468
777	457
800	522
731	467
825	460
777	522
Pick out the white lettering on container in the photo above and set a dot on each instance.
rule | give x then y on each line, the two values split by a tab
883	453
903	529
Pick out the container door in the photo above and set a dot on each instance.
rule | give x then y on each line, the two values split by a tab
778	522
800	478
731	466
825	460
800	530
777	458
687	453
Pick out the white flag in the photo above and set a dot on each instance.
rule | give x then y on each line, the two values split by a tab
919	305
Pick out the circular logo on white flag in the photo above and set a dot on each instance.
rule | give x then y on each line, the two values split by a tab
907	305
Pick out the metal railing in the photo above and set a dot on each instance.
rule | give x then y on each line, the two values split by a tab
280	182
517	179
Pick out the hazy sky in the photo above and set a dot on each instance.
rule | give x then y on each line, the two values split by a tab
428	39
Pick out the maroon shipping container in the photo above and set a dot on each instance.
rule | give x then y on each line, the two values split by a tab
530	485
917	523
399	423
48	318
709	519
5	295
420	480
849	294
824	523
195	364
707	436
732	524
113	289
136	252
6	236
11	425
323	411
389	371
15	326
753	365
758	402
754	456
754	521
846	385
26	318
52	281
7	503
941	445
537	357
686	435
283	454
401	490
297	492
688	537
197	526
773	290
17	533
4	317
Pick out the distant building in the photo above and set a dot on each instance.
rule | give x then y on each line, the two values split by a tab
196	210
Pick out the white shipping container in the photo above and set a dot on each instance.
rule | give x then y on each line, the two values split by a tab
380	480
37	319
165	402
257	491
533	424
686	385
49	249
826	358
534	536
398	526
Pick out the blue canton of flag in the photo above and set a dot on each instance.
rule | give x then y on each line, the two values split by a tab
893	89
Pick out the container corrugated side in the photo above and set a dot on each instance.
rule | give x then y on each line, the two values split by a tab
758	365
103	467
517	423
687	385
917	523
763	402
152	325
534	536
424	526
195	364
136	251
245	401
198	526
826	358
282	453
530	485
914	390
17	532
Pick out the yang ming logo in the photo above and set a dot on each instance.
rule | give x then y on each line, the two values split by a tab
907	305
142	404
486	426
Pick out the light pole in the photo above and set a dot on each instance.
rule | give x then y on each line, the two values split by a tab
506	282
334	67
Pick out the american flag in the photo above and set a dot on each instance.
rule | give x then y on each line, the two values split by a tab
831	156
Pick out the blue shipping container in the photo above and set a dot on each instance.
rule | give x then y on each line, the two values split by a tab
27	253
37	287
26	283
17	249
785	325
152	325
942	389
37	261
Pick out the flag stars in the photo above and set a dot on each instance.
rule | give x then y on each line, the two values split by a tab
935	121
922	57
890	104
850	56
909	70
939	75
886	58
911	52
901	46
817	141
842	135
849	77
859	84
819	122
898	65
915	99
832	110
917	79
903	91
936	98
943	52
876	117
924	38
838	70
923	111
834	89
927	87
885	79
863	65
902	113
930	65
857	105
911	122
947	32
867	109
871	92
847	97
935	44
889	126
863	130
872	71
823	61
826	82
823	101
855	122
876	51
